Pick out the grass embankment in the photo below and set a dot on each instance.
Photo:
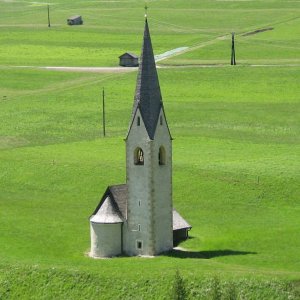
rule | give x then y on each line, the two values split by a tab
37	283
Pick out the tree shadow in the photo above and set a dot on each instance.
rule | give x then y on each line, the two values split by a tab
205	254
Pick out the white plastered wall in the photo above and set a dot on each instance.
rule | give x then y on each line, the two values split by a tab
106	239
139	189
150	192
162	177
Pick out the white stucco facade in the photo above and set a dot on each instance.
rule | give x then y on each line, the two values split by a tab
106	230
105	239
149	210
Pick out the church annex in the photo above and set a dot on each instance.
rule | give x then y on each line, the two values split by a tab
137	218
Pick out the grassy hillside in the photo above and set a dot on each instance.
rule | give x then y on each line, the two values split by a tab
236	148
113	27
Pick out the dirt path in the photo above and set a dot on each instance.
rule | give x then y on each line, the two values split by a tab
119	70
80	69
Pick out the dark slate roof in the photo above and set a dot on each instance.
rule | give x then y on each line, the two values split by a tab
179	222
108	213
118	195
128	54
113	208
147	94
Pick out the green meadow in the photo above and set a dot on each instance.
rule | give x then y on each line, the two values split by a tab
236	166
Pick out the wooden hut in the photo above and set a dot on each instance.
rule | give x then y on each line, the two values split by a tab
75	20
129	60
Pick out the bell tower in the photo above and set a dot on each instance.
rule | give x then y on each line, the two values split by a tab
148	230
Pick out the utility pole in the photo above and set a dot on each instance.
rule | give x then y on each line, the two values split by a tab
49	25
233	62
103	111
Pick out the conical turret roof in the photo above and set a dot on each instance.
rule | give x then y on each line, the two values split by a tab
107	213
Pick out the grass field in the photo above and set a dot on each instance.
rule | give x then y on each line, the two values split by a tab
236	166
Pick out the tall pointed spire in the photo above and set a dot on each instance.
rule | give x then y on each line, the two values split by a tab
147	95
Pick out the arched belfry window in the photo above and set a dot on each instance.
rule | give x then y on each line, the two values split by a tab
138	156
162	156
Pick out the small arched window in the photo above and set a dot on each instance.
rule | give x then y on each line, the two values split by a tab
138	156
162	156
138	121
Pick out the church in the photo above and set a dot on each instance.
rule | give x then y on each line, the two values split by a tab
138	218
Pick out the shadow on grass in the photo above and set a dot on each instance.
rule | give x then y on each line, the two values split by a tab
205	254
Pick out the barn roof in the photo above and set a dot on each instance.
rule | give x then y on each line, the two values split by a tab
132	55
179	222
147	94
74	17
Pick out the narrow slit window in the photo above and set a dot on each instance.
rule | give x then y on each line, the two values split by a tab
138	121
139	245
161	120
162	156
139	227
138	156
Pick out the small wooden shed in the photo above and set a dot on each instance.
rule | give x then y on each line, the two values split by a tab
129	60
75	20
181	228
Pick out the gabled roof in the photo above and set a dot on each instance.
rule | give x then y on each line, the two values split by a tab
147	94
179	222
113	203
128	54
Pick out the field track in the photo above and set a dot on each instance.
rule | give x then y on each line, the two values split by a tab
127	70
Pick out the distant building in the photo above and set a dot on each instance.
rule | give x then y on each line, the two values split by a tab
137	218
75	20
129	60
